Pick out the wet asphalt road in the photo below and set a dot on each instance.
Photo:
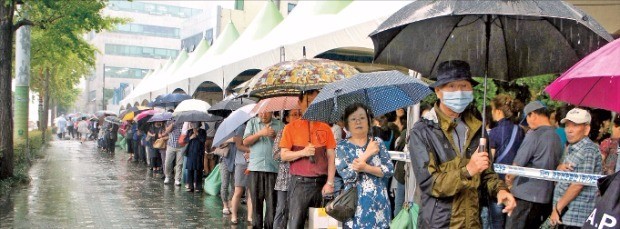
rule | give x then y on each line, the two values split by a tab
77	186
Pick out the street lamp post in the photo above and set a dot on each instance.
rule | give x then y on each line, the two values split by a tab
103	90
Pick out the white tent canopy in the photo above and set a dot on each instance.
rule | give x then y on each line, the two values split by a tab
308	25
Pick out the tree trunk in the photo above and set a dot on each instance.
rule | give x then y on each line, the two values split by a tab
6	98
46	103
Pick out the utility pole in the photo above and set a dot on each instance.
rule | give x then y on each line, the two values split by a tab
103	90
22	79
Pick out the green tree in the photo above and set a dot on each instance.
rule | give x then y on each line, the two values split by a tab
60	55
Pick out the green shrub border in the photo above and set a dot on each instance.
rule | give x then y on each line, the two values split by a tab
21	164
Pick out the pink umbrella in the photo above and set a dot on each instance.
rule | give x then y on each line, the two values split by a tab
145	114
282	103
592	82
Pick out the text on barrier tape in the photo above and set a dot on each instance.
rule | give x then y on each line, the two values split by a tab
550	175
542	174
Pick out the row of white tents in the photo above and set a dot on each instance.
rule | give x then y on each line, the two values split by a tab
319	26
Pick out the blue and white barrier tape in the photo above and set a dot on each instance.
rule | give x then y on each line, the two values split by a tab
549	175
542	174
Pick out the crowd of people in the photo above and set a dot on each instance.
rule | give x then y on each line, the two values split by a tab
82	128
284	166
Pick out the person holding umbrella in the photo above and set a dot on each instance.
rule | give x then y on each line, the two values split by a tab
195	150
259	135
363	163
309	147
447	162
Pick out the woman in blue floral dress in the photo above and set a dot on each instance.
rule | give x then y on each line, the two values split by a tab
365	163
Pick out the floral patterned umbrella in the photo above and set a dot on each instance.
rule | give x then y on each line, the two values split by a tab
293	77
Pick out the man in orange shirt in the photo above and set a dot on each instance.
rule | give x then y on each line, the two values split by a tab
309	147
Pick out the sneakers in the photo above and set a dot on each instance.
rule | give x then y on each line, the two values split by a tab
167	181
177	183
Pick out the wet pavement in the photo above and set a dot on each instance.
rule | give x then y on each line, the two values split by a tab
77	186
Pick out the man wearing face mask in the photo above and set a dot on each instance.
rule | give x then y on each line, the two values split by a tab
448	166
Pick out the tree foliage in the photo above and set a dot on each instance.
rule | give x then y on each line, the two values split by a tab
58	43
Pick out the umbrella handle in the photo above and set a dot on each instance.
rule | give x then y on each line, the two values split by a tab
482	147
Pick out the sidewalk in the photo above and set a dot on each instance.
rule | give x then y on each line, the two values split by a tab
76	186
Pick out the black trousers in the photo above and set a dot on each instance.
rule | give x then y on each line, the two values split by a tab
261	185
304	192
194	176
528	215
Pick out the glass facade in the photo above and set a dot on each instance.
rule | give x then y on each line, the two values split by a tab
149	30
140	51
125	72
291	6
239	4
152	8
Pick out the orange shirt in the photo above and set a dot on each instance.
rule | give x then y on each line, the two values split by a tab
296	136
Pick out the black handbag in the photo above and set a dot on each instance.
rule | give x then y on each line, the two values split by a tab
342	208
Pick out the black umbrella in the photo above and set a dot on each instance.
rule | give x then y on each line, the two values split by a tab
501	39
196	116
113	120
225	107
516	38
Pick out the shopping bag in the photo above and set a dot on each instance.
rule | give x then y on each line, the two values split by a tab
213	182
407	218
318	218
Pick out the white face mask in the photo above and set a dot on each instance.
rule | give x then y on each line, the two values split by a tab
457	101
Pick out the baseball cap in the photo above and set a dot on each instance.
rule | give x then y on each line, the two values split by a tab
578	116
532	106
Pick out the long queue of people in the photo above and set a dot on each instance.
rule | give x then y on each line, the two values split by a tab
286	166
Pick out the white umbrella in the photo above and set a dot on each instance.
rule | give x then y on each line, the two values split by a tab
191	105
229	125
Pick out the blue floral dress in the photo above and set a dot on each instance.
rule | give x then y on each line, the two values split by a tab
373	205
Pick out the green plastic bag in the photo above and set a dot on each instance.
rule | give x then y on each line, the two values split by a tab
213	182
407	218
122	142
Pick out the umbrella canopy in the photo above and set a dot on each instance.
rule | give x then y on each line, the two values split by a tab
103	113
196	116
593	82
174	99
521	38
161	117
293	77
224	107
232	122
130	113
382	92
113	120
276	104
192	105
144	114
157	102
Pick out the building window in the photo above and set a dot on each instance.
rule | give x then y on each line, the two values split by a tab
153	9
191	42
209	36
239	4
149	30
140	51
291	6
125	72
